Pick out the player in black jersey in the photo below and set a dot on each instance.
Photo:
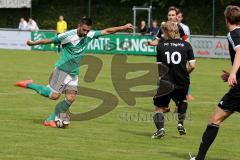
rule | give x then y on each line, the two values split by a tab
174	54
231	100
171	16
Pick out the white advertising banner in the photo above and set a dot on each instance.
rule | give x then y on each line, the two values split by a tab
15	3
14	40
212	47
203	46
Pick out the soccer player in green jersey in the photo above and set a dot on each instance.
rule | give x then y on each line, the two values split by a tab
64	78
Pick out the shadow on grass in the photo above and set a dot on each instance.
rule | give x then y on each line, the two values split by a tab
38	121
150	110
137	133
175	154
186	156
148	134
177	136
211	158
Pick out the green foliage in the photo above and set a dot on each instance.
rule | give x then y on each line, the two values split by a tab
230	2
197	14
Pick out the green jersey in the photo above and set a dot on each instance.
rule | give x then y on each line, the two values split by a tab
72	51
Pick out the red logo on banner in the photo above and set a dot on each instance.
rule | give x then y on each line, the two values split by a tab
202	52
223	46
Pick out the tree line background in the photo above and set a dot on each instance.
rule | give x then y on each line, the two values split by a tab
106	13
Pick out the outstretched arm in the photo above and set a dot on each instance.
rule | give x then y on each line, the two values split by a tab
37	42
153	42
112	30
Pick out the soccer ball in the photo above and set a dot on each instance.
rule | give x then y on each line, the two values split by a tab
62	120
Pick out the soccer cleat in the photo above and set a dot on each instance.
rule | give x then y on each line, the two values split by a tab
158	134
181	129
191	158
23	83
50	124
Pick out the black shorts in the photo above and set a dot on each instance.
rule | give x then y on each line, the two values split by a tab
178	95
231	100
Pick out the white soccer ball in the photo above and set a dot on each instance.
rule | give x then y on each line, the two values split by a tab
62	120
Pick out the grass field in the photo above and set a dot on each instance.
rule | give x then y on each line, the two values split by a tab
120	134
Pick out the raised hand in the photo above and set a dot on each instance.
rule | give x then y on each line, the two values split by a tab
128	27
30	43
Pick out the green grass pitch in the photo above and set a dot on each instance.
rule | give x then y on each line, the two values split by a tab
118	135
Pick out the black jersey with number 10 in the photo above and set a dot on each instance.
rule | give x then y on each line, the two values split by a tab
175	54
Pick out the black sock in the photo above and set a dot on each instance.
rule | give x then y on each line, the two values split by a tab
207	139
182	109
158	119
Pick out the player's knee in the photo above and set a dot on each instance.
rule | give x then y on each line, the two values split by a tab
157	109
55	96
215	120
71	97
219	116
161	109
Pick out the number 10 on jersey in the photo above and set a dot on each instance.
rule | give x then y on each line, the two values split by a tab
174	58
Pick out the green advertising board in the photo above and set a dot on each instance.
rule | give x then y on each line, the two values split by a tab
121	44
109	44
43	35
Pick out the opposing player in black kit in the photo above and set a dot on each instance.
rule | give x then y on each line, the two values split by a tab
171	16
231	100
174	54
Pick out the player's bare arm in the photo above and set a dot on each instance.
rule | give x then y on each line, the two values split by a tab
191	66
37	42
232	80
127	27
152	43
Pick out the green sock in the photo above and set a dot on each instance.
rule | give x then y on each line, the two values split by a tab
42	90
51	117
189	90
60	107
